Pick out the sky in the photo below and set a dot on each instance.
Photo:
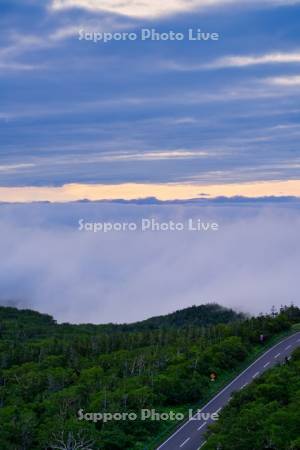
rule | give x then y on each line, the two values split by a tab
184	114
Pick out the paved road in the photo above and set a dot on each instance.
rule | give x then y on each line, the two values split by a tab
191	435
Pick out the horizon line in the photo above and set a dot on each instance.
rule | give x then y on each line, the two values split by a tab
73	192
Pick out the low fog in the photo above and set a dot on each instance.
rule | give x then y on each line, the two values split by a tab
47	264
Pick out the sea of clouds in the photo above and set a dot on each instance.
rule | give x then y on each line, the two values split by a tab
251	263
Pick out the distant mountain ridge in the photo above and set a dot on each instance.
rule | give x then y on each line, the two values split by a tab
202	315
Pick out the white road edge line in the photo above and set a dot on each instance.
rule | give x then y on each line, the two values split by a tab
277	356
185	442
202	444
218	410
246	384
228	385
201	426
255	375
266	365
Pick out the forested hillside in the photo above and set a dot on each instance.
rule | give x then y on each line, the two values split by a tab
265	415
49	372
34	324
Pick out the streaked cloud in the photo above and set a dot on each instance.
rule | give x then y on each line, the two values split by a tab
288	81
138	8
253	89
156	8
155	156
15	167
235	61
269	58
17	53
17	67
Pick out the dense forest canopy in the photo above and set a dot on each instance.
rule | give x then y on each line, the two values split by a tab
50	371
265	415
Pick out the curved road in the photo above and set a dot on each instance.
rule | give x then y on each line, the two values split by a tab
191	435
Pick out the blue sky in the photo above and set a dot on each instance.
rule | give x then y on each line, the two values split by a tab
149	112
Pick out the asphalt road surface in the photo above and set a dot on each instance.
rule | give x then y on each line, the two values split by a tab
191	435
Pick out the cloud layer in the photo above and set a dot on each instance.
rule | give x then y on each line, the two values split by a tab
251	263
149	112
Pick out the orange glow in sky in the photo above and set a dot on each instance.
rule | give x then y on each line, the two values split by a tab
131	191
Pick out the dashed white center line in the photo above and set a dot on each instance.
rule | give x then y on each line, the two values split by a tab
202	445
266	365
185	442
256	375
246	384
277	355
201	426
218	410
289	346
